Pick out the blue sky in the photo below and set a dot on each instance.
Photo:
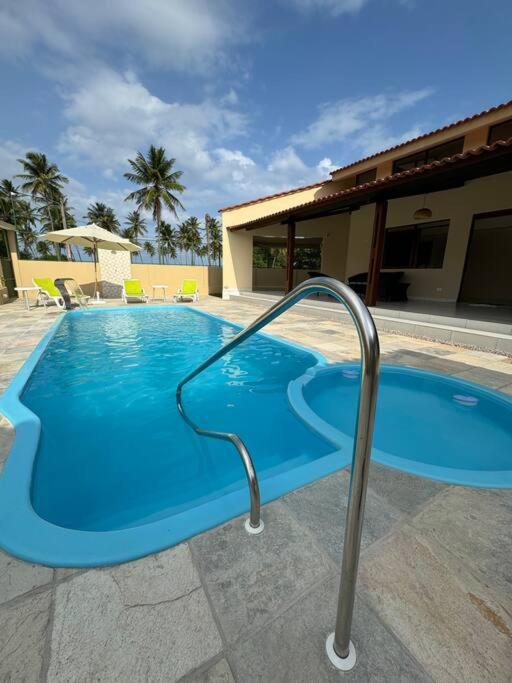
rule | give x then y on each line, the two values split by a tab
250	97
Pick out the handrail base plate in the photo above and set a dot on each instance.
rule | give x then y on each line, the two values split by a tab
254	530
341	663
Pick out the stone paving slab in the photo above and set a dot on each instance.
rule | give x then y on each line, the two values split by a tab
405	492
292	648
24	628
450	622
220	672
475	526
249	578
18	577
321	508
133	622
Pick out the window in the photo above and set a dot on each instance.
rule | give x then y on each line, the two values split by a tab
305	257
501	131
416	246
4	249
366	176
425	156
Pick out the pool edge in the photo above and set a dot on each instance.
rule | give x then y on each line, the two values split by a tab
26	535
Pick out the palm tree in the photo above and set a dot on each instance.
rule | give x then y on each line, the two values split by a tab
42	180
159	183
8	201
190	237
194	237
149	249
215	239
21	214
104	216
135	226
43	249
26	221
167	240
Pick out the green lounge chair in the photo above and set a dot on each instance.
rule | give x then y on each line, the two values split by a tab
188	290
132	291
48	292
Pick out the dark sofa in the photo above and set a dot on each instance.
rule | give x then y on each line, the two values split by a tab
391	288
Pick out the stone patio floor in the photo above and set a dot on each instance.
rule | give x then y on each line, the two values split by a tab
434	591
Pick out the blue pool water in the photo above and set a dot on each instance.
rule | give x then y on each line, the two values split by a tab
103	468
115	453
428	424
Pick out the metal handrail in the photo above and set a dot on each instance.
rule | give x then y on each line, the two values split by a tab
339	647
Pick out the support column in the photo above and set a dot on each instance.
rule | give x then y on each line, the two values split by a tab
377	252
290	252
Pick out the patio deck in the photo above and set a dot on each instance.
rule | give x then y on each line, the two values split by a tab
488	328
434	599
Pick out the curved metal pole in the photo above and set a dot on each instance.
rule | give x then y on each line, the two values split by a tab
339	646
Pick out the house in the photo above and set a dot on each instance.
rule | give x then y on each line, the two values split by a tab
437	208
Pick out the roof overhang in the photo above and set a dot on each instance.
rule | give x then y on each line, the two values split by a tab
435	177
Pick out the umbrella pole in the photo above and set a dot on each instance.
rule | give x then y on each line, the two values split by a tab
95	270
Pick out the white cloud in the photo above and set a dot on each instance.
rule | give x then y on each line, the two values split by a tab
286	161
333	7
341	120
325	166
10	152
176	34
111	116
377	138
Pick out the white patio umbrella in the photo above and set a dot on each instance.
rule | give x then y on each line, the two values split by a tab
93	236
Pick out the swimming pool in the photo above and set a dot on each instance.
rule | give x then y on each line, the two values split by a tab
104	469
428	424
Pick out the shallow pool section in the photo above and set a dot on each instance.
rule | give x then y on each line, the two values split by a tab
427	424
103	467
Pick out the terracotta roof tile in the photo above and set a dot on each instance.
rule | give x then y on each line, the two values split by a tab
274	196
380	182
473	117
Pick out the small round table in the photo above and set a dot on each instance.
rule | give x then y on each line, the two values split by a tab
24	292
164	293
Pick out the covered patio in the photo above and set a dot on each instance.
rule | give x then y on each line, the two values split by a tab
445	226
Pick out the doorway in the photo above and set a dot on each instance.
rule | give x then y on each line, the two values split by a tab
6	270
487	277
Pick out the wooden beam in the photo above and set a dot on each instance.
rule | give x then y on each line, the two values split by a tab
290	253
377	252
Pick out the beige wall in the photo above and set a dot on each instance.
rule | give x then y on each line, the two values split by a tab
83	273
359	240
173	276
238	270
209	279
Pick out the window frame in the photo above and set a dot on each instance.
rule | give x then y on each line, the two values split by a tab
373	171
416	229
493	127
423	155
